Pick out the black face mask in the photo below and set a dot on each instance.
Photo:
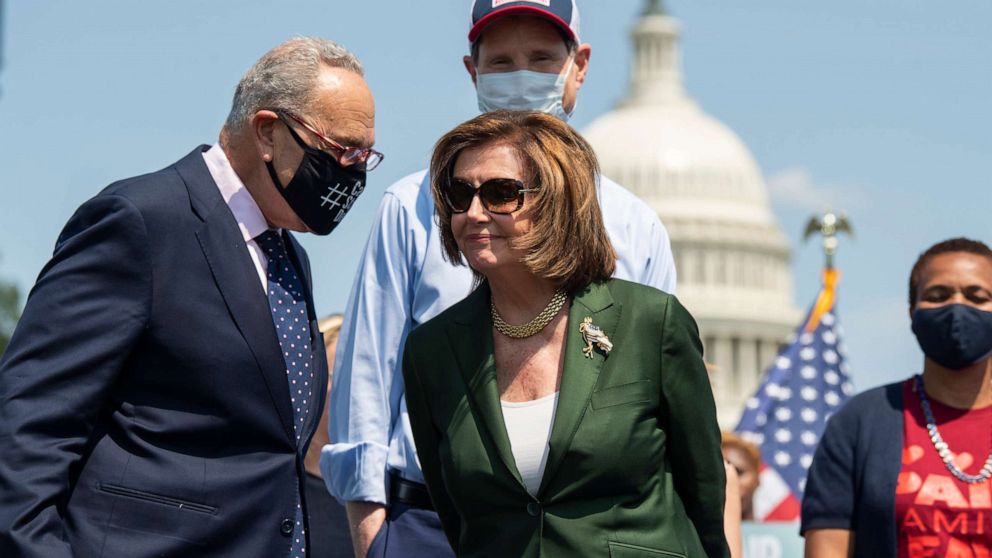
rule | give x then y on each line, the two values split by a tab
954	335
322	191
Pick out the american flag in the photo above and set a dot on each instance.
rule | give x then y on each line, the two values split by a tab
806	384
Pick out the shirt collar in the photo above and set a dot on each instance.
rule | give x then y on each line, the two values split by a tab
246	212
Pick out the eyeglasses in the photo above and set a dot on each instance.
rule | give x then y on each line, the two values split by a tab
362	158
498	195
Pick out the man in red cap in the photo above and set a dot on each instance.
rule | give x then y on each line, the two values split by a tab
524	55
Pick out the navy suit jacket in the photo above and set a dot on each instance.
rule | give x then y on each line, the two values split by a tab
144	406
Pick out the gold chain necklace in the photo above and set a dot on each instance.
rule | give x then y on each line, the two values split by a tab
532	327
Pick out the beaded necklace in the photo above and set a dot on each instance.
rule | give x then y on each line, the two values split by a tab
941	446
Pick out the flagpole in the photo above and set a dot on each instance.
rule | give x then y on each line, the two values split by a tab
806	384
829	225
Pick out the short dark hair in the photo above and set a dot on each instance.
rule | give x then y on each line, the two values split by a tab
567	243
960	244
570	44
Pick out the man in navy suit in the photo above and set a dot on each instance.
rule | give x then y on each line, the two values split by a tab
159	393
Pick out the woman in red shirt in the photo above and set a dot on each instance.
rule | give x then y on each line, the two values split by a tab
941	505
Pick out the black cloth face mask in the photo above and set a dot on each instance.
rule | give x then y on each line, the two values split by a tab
954	335
322	191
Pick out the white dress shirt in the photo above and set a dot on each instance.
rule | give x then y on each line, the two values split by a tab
246	212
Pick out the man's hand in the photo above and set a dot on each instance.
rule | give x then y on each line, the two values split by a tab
365	519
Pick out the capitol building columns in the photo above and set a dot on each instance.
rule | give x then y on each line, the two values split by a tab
730	253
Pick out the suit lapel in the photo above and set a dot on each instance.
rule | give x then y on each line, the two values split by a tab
580	374
471	339
236	278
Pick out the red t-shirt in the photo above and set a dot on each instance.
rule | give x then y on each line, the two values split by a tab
938	515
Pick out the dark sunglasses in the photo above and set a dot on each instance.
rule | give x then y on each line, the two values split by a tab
498	195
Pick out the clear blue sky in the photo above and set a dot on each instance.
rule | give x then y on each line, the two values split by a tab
879	108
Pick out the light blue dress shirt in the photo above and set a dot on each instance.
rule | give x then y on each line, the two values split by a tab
402	282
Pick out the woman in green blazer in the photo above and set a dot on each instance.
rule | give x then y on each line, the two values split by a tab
590	429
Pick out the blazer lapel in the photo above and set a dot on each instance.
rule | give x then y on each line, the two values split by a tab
236	278
580	374
471	339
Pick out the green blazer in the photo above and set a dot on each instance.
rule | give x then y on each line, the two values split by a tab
634	467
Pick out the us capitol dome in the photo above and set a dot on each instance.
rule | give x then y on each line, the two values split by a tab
731	256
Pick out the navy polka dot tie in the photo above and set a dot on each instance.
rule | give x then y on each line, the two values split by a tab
289	313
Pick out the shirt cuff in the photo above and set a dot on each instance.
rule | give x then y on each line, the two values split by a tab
825	523
356	472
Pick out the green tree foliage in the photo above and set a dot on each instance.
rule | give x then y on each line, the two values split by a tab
10	311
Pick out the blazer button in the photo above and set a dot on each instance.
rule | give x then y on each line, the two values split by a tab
286	527
533	508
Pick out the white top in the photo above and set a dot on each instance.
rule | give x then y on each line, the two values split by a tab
528	425
246	212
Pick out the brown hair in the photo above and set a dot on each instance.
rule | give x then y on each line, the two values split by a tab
731	440
567	243
960	244
330	326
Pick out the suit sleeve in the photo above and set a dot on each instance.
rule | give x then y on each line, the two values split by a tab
427	439
83	315
693	433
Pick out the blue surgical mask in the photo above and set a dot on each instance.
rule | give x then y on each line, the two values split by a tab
523	90
954	335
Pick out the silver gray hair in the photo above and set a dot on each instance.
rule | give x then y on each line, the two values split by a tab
284	78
